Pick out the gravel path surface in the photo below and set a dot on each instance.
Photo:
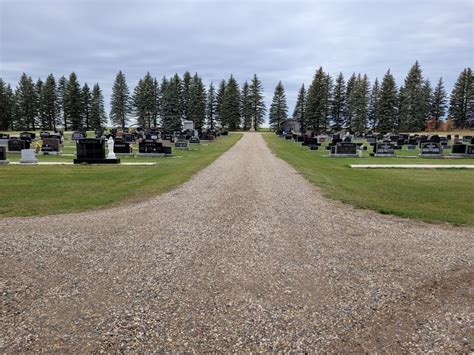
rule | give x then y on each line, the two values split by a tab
245	256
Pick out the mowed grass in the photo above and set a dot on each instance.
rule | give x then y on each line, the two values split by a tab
429	195
43	190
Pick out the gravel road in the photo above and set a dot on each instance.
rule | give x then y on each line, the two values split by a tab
246	256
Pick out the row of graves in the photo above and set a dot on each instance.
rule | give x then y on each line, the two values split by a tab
386	145
47	143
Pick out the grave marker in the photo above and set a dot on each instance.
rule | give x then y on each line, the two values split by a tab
431	150
28	156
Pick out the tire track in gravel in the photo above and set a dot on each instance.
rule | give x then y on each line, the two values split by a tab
246	256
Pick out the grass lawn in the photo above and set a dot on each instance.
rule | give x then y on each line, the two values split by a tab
42	190
430	195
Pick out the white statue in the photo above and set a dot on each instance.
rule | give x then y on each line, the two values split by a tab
110	145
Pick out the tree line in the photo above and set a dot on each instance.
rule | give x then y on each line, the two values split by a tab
327	104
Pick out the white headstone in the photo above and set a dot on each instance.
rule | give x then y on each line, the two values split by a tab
28	156
110	145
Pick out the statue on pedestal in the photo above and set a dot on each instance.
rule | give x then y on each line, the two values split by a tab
110	145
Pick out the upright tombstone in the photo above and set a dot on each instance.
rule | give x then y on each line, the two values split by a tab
384	150
122	148
50	146
17	145
194	140
77	136
3	155
431	150
28	156
458	150
470	151
4	139
344	150
92	151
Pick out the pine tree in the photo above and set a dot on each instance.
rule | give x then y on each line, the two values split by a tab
86	105
98	117
246	107
144	101
279	107
427	99
360	96
230	107
374	104
25	110
257	102
39	107
171	105
186	94
61	93
388	114
120	102
211	105
438	103
299	111
197	103
156	102
50	103
462	99
163	85
73	102
6	106
317	108
338	103
413	109
219	100
350	105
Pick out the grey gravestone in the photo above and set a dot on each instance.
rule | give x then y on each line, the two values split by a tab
384	150
431	150
194	140
28	156
181	145
344	149
470	151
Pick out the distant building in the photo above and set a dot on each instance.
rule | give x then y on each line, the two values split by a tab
291	125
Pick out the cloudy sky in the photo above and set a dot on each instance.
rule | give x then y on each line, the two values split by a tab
277	40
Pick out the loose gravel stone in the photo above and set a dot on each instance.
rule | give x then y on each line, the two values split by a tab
246	256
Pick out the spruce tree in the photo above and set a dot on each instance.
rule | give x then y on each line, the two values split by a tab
197	103
39	103
413	109
186	94
219	100
246	107
427	100
317	107
373	109
144	101
299	111
61	93
6	106
73	102
438	103
171	105
338	103
50	103
388	114
163	85
25	104
361	99
350	104
279	107
86	105
98	117
257	102
230	109
156	102
211	105
120	102
462	99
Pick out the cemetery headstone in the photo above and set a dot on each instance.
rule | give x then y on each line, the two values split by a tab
76	136
181	144
344	149
122	148
458	150
92	151
28	156
470	151
17	145
194	140
3	155
430	150
384	150
50	146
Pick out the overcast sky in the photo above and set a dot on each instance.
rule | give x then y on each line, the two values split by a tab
277	40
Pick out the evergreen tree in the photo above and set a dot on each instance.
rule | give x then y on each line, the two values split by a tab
156	101
144	101
438	103
164	83
462	99
388	114
6	106
350	104
120	102
25	110
230	106
317	108
246	107
171	105
86	105
61	93
211	105
50	103
186	94
73	102
257	102
40	119
339	103
279	107
197	103
219	100
299	111
427	100
373	110
98	117
413	109
360	96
